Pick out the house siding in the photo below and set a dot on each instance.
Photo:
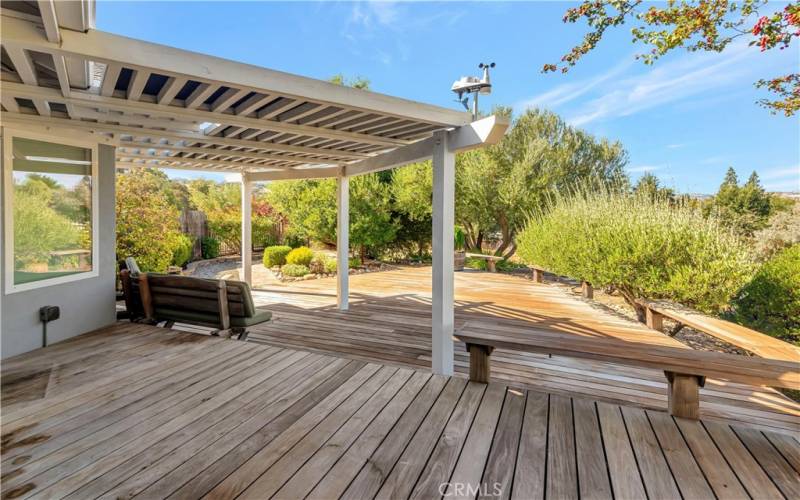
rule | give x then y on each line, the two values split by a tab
85	304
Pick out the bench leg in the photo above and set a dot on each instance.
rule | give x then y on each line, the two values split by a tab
537	276
684	394
479	370
654	320
491	266
586	290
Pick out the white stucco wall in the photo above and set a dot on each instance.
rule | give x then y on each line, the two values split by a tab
85	304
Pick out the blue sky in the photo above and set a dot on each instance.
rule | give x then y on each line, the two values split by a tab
685	119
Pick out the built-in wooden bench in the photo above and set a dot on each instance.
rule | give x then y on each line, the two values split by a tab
740	336
225	305
491	260
685	369
537	274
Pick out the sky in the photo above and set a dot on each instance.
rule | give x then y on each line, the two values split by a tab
685	119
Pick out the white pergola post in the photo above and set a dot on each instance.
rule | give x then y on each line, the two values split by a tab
342	242
444	169
247	235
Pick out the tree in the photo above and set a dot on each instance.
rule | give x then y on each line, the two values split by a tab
147	223
358	82
310	207
640	246
649	185
700	25
746	209
39	228
411	188
503	184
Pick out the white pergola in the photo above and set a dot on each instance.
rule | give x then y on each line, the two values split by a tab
164	107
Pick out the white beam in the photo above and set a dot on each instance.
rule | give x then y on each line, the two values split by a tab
170	90
221	152
443	221
136	85
247	236
47	9
479	133
343	242
299	173
63	74
189	113
227	98
22	63
110	79
235	165
99	46
173	135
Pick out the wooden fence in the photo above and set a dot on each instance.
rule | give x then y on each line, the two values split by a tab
194	223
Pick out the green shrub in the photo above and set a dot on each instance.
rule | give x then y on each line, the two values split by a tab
640	246
295	270
276	256
321	263
770	302
301	256
209	247
183	250
330	266
475	263
355	262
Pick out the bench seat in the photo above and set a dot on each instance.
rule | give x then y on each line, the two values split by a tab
685	369
738	335
199	318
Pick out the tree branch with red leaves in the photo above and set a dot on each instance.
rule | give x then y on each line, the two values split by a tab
702	25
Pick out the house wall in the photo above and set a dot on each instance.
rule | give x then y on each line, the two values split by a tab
85	304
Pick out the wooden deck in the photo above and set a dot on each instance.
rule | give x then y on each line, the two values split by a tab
138	411
389	322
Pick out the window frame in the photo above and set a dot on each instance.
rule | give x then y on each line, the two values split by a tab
8	208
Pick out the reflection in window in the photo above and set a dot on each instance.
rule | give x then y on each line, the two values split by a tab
52	210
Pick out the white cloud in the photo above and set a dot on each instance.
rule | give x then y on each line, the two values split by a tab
375	22
781	173
675	146
784	185
689	79
567	92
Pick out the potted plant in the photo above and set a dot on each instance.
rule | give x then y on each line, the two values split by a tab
460	255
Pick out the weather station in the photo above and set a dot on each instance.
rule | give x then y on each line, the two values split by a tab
474	86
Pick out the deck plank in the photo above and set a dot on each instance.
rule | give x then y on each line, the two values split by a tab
443	459
338	477
379	465
685	469
222	418
719	474
530	482
658	480
777	468
626	480
408	467
562	474
592	467
389	322
469	468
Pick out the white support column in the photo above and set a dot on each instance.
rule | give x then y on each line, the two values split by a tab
444	173
342	242
247	236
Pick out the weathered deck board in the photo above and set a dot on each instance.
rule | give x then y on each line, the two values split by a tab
221	418
389	322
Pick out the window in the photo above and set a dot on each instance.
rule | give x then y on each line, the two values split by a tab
51	205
